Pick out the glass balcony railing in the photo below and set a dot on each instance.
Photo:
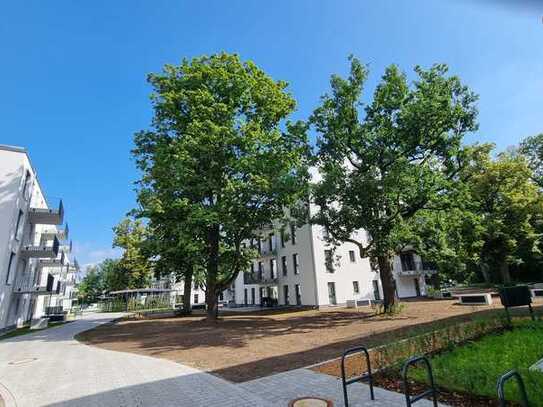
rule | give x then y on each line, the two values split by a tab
53	214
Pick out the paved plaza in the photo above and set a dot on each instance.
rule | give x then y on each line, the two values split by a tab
51	368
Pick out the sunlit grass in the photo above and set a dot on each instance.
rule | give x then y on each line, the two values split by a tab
476	366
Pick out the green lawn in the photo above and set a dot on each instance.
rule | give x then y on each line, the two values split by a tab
476	366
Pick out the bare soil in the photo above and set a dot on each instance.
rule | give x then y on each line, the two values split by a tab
243	346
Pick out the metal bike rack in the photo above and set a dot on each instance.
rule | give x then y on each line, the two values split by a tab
501	382
366	376
431	391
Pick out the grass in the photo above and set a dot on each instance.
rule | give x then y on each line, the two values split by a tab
26	330
476	366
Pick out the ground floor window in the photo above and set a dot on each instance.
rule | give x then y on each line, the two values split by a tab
356	288
196	298
298	292
253	295
245	296
286	295
332	293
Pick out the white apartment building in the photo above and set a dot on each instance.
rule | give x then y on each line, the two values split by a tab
298	267
34	264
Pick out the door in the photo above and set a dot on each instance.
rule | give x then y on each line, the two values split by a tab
332	293
298	292
417	286
253	295
285	294
245	296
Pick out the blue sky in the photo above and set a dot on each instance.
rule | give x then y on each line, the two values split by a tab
73	89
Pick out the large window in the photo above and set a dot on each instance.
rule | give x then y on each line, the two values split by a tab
296	263
19	226
329	260
11	265
284	265
271	242
260	270
273	268
26	186
356	287
298	292
293	233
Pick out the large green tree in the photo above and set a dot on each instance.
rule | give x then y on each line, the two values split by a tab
532	149
384	162
509	209
131	236
220	160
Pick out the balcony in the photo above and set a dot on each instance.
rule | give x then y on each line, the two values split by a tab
416	268
25	285
254	278
45	249
52	215
61	233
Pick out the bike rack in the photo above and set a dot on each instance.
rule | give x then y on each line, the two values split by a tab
431	391
501	382
366	376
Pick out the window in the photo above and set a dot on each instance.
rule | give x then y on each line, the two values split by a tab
325	233
260	270
352	256
259	242
221	296
19	226
356	288
273	268
11	264
298	292
26	186
245	297
293	233
408	263
196	298
286	295
282	237
284	265
271	242
252	268
296	263
329	261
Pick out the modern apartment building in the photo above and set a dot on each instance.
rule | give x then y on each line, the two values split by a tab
35	270
298	267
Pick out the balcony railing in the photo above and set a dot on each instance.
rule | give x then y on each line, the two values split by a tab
25	284
417	267
61	233
45	249
254	278
52	215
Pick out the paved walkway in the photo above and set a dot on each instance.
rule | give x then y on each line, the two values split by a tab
50	368
53	369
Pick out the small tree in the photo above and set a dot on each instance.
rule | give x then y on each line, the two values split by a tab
221	155
91	287
381	165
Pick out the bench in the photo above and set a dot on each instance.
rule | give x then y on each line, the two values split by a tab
474	298
536	292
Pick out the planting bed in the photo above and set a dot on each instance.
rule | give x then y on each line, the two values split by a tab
465	374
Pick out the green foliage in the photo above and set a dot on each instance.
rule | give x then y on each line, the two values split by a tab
383	163
134	270
476	366
219	163
91	287
532	149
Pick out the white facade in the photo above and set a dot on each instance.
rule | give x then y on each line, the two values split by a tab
29	242
323	277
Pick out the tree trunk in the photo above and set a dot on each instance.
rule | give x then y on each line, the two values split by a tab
485	273
212	273
504	271
187	291
387	281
